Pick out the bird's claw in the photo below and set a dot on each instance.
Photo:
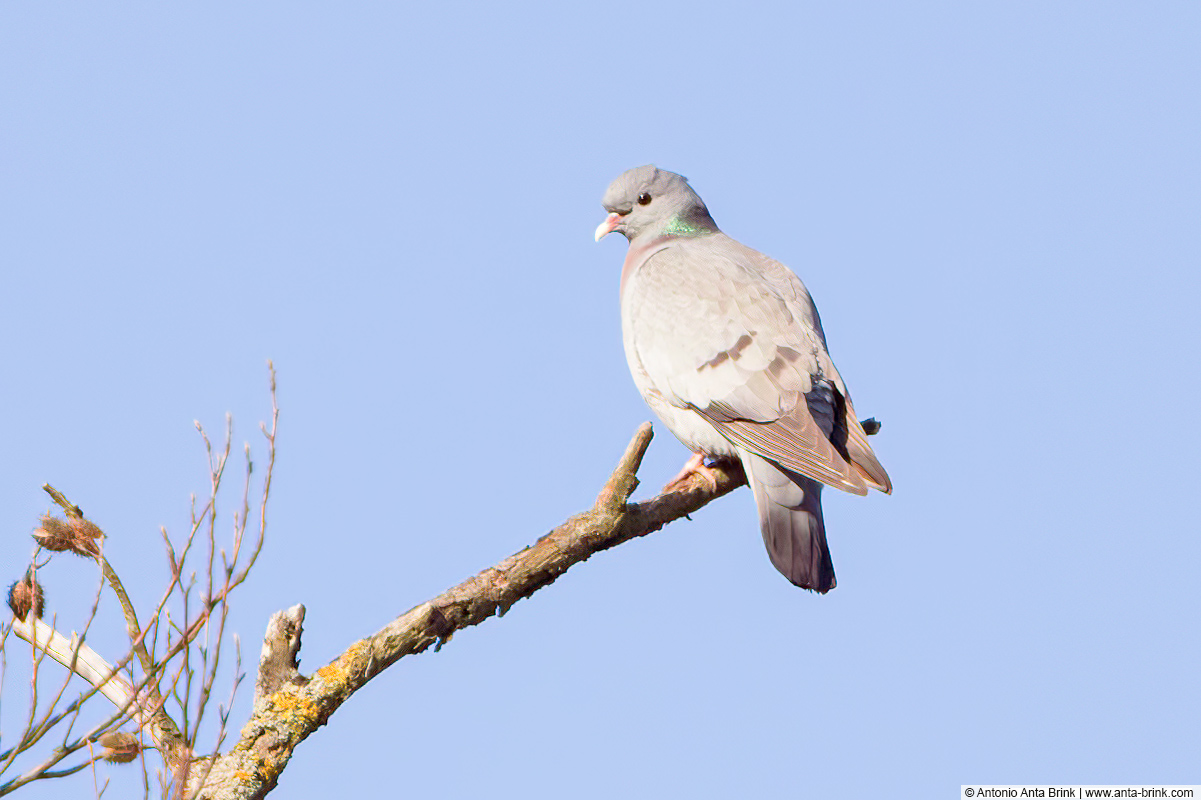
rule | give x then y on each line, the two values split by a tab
694	466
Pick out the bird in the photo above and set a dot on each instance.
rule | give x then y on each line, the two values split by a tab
726	347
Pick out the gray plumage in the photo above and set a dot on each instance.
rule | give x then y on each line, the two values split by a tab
727	348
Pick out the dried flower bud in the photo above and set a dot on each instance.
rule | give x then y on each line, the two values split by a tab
120	747
79	536
26	595
87	534
55	534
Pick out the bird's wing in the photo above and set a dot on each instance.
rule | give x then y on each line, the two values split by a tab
848	435
715	335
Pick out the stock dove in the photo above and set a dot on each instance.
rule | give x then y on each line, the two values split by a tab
726	347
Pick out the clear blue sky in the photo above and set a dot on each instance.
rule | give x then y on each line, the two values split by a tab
995	205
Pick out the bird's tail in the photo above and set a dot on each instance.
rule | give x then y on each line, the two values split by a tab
790	516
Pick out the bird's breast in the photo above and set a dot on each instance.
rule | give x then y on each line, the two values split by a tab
637	255
639	297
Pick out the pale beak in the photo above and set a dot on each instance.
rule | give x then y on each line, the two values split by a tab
607	227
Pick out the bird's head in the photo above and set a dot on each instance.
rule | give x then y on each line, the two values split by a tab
650	201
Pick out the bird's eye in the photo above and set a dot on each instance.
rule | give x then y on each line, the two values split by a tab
644	199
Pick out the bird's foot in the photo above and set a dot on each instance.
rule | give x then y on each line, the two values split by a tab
694	466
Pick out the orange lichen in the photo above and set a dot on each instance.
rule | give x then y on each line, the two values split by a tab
293	704
337	672
331	673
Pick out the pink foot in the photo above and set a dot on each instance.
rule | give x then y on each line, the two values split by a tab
694	466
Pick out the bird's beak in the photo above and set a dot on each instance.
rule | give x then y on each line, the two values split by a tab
608	226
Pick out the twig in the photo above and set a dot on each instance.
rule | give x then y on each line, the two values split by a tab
166	733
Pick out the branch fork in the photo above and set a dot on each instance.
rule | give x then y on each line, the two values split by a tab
288	706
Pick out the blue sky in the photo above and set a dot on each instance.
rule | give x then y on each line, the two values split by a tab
995	206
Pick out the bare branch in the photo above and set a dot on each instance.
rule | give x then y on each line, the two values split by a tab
78	658
283	719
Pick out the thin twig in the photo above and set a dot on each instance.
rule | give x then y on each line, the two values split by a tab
166	733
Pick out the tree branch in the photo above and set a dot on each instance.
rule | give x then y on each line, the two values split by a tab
284	718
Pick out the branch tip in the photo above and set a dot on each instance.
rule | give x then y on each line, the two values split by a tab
67	506
624	480
278	663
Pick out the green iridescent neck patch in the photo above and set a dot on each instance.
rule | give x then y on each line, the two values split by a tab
677	226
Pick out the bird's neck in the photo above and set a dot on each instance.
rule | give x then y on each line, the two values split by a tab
680	226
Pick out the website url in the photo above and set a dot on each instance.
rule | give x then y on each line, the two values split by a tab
978	792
